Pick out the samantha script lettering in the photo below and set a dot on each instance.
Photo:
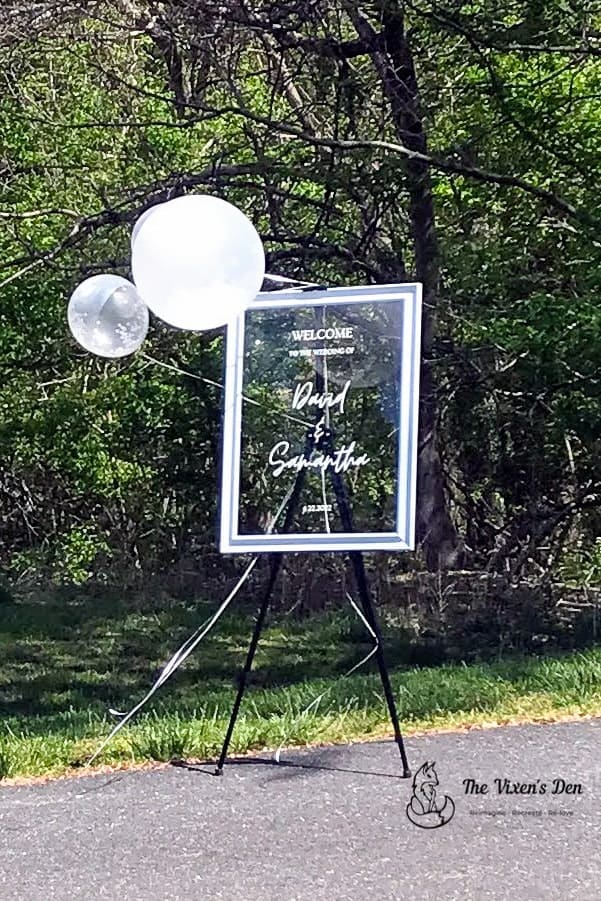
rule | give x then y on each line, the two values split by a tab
340	461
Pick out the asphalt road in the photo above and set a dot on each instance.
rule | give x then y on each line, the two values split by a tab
326	824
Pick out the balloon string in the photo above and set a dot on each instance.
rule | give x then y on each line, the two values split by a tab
316	701
327	422
189	645
201	378
353	669
293	282
193	640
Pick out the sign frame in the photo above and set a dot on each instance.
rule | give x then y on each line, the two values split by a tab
402	538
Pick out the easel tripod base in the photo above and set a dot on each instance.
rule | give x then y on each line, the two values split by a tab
356	557
370	615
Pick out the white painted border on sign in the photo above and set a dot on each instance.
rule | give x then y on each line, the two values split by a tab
401	539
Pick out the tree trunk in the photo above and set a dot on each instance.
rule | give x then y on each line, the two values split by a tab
394	63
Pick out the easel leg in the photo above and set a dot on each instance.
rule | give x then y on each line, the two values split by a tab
276	562
370	615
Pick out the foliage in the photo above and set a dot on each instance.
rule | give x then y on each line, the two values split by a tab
457	143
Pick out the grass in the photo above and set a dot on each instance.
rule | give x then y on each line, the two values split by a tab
65	663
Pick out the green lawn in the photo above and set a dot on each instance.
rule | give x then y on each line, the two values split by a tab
64	664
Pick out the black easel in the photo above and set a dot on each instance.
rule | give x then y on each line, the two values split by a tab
325	443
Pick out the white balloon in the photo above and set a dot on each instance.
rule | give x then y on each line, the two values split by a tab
140	220
107	316
197	261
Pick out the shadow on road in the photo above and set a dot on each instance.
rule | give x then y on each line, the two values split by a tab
288	769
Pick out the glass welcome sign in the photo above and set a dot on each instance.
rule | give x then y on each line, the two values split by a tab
320	423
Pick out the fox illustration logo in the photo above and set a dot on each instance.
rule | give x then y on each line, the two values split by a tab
424	810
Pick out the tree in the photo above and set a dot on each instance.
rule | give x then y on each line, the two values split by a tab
368	142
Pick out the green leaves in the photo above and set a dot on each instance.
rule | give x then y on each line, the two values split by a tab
99	119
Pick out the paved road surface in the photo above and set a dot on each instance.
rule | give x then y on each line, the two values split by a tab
328	824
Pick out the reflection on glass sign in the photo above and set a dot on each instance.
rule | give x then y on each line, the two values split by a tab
320	430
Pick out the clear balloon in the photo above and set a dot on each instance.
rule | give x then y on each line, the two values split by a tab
107	316
197	261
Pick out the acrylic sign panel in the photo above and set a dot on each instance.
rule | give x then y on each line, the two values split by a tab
323	383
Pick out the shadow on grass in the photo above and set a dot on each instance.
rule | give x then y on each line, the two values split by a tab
86	654
64	664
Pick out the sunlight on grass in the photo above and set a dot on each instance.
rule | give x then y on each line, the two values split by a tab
64	667
441	698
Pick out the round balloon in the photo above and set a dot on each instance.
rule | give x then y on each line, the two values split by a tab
197	261
140	220
107	316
